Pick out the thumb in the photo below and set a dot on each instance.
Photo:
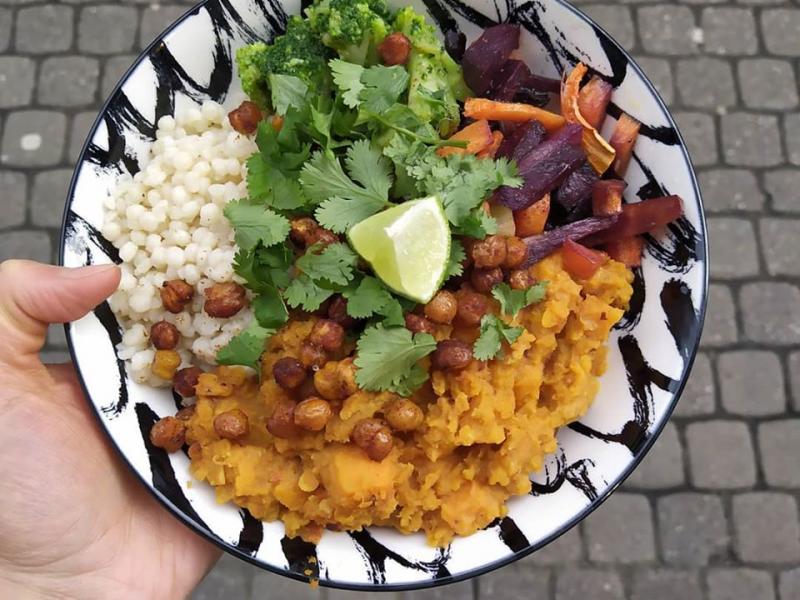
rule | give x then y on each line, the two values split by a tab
33	296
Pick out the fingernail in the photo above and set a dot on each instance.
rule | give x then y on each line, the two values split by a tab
91	271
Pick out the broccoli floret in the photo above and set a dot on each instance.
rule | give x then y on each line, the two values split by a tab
437	83
299	52
353	28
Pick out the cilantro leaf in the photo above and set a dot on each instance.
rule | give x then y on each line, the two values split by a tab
246	348
455	266
304	292
493	332
370	298
368	167
255	224
269	309
287	91
340	214
512	301
387	359
334	264
261	266
347	77
270	185
383	86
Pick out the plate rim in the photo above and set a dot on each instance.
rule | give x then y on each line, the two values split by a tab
566	526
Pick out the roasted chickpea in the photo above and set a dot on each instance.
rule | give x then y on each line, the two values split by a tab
246	118
289	373
337	312
489	253
442	308
176	294
451	355
484	280
336	380
302	231
168	433
224	300
404	415
327	334
281	423
395	49
185	414
164	335
305	390
516	252
418	324
185	381
312	414
347	375
471	308
324	237
520	279
165	364
232	424
312	356
374	438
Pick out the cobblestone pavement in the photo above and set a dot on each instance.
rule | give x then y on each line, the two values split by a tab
712	512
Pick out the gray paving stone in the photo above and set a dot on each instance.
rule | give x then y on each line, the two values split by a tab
779	27
663	466
12	199
5	29
793	365
518	580
768	83
565	549
17	75
751	382
31	245
729	31
791	123
789	585
155	19
68	81
699	133
266	585
347	595
782	186
81	125
33	138
779	443
779	239
766	528
731	189
720	455
693	529
629	513
720	327
115	68
49	195
107	29
771	312
616	20
659	72
230	578
667	29
706	83
739	583
732	247
751	140
44	29
588	583
666	585
698	395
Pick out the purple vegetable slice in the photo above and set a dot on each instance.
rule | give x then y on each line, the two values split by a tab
509	79
486	56
541	246
576	191
522	140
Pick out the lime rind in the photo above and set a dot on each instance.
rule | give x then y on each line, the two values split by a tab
407	246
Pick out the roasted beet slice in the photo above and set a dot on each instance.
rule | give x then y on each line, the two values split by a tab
541	246
593	101
509	79
544	84
639	218
522	140
576	190
486	56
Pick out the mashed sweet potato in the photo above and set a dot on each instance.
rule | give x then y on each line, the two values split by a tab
486	427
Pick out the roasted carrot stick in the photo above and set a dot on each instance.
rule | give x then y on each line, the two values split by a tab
593	101
480	108
478	136
491	150
580	261
531	220
628	250
607	197
623	140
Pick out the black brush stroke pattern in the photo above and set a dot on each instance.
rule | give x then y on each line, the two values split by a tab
527	15
301	556
81	235
511	535
252	533
108	320
376	554
576	474
663	134
470	14
163	475
633	315
678	248
682	318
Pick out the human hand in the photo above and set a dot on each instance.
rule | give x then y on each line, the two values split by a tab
73	522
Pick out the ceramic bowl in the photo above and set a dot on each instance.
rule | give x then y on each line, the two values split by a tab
650	352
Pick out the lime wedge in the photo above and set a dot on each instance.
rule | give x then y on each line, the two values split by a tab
408	247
